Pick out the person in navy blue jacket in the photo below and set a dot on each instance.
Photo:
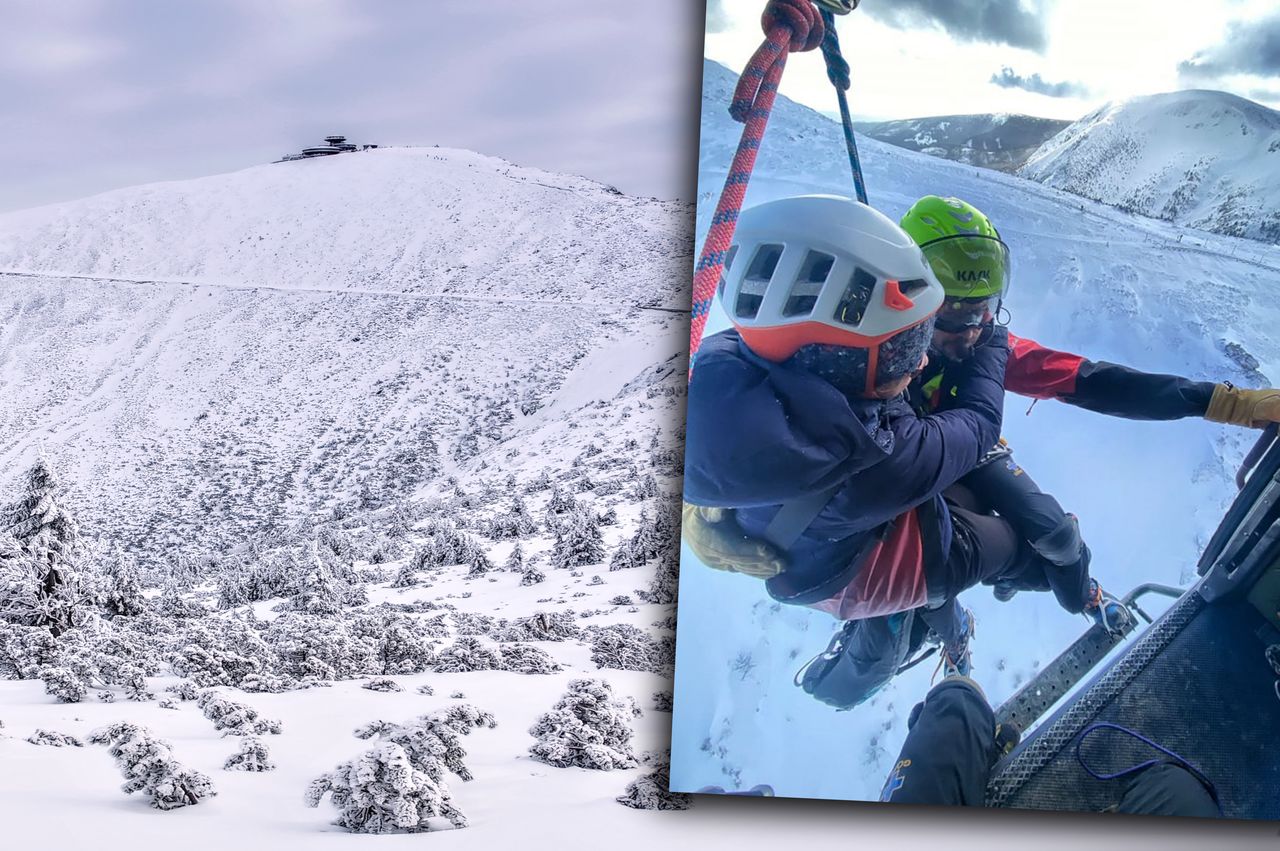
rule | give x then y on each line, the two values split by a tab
797	421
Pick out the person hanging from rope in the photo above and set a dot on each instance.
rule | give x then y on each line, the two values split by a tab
953	743
797	421
972	262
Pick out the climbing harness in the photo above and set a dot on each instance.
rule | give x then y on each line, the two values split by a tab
790	26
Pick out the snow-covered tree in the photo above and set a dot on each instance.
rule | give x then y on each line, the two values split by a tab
652	791
467	654
54	739
543	626
516	523
318	592
588	728
381	791
515	561
401	644
25	651
532	576
434	741
578	542
479	564
64	683
384	685
221	652
120	591
527	659
625	648
233	718
252	756
320	648
148	765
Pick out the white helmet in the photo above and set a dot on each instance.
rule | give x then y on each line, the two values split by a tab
833	283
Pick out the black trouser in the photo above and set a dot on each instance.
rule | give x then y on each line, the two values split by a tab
951	748
987	549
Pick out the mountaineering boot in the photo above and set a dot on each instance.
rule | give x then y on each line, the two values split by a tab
956	660
1106	610
1003	590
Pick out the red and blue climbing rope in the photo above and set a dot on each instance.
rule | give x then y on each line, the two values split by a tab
790	26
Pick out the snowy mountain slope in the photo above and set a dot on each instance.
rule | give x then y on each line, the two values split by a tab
1089	279
235	421
1000	141
275	378
1205	159
412	220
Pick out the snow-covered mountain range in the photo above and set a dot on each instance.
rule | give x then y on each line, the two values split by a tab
1205	159
1088	278
1001	141
209	359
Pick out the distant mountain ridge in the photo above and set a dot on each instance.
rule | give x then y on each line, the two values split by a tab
999	141
1205	159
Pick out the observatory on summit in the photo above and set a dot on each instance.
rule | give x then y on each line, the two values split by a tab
332	145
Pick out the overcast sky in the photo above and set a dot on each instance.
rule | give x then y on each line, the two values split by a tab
1053	58
98	94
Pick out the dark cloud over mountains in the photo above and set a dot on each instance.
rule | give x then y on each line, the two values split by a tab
1012	22
1008	79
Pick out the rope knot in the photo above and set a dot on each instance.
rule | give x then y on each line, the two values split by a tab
800	17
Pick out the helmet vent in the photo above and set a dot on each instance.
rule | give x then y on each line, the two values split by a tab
756	281
857	295
808	284
913	287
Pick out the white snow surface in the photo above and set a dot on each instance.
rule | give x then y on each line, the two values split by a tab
1206	159
1088	279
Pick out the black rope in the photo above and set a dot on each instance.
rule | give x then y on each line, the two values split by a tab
838	74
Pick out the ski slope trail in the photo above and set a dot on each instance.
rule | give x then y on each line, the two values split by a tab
1089	279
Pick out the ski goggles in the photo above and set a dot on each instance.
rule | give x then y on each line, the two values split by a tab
960	315
970	266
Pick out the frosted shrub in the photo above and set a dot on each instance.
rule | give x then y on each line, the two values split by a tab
651	791
467	654
473	623
625	648
149	766
543	626
532	576
64	684
588	728
252	756
400	644
433	741
25	651
527	659
578	542
234	719
320	648
382	792
383	685
53	739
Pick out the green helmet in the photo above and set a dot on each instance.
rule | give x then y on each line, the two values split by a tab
962	246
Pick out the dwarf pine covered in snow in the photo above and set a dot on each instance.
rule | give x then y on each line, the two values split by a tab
467	653
252	756
516	523
54	739
120	593
232	718
652	791
527	659
626	648
433	741
515	561
400	644
588	727
543	626
381	791
148	765
578	541
532	576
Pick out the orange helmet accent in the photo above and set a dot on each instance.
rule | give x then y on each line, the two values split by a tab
893	297
780	342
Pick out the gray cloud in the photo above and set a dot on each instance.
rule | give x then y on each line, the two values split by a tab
115	93
717	17
1007	79
1010	22
1250	47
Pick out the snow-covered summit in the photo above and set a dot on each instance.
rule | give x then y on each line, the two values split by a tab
1207	159
393	219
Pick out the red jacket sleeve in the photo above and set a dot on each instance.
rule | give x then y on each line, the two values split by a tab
1040	373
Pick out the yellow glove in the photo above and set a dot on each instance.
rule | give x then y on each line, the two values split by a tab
1252	408
715	537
